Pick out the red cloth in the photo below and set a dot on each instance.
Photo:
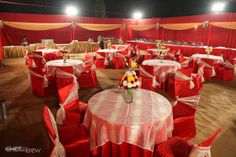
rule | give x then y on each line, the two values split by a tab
88	78
63	81
75	139
208	142
184	121
173	147
122	150
38	83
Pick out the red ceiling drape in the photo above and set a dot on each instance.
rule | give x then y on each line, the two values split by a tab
210	35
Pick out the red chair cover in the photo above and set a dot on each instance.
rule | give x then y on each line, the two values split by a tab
225	72
209	68
184	122
173	147
150	55
182	87
208	142
149	80
100	60
69	111
118	61
38	59
65	76
203	149
88	78
75	139
39	82
177	147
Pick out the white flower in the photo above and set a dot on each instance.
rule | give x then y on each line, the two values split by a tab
129	85
133	72
125	83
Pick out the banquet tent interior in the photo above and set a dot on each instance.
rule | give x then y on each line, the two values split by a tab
104	83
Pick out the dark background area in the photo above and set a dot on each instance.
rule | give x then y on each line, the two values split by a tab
118	8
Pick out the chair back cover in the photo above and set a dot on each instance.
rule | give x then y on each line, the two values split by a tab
68	97
185	106
50	124
203	149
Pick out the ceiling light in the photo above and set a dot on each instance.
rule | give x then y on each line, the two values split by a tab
218	6
137	15
71	11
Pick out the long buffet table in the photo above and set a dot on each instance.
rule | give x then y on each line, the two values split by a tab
82	46
188	50
78	47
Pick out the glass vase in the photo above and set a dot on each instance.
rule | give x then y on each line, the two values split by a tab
64	59
129	95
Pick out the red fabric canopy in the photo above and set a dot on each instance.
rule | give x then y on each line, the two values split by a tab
210	35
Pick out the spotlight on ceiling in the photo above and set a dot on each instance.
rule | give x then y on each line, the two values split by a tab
218	6
137	15
71	11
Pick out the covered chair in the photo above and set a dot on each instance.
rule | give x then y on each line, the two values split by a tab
89	58
38	59
101	60
118	61
225	72
203	149
69	112
178	147
71	141
148	78
65	76
150	55
184	117
173	147
209	70
88	78
41	85
182	84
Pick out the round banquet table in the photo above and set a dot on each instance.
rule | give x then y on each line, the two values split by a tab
51	65
157	50
217	59
44	51
49	54
145	122
163	69
120	47
107	50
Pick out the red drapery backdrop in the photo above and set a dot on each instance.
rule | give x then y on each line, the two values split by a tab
210	35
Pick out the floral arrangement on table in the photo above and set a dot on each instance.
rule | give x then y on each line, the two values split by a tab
65	54
130	81
109	44
209	50
158	44
162	53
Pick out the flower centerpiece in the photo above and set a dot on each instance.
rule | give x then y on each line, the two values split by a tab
162	53
158	44
109	44
209	50
130	81
65	54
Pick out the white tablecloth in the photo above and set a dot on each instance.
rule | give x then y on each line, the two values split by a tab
51	65
45	51
163	69
145	122
218	59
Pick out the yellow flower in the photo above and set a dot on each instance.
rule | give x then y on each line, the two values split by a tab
130	78
133	64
